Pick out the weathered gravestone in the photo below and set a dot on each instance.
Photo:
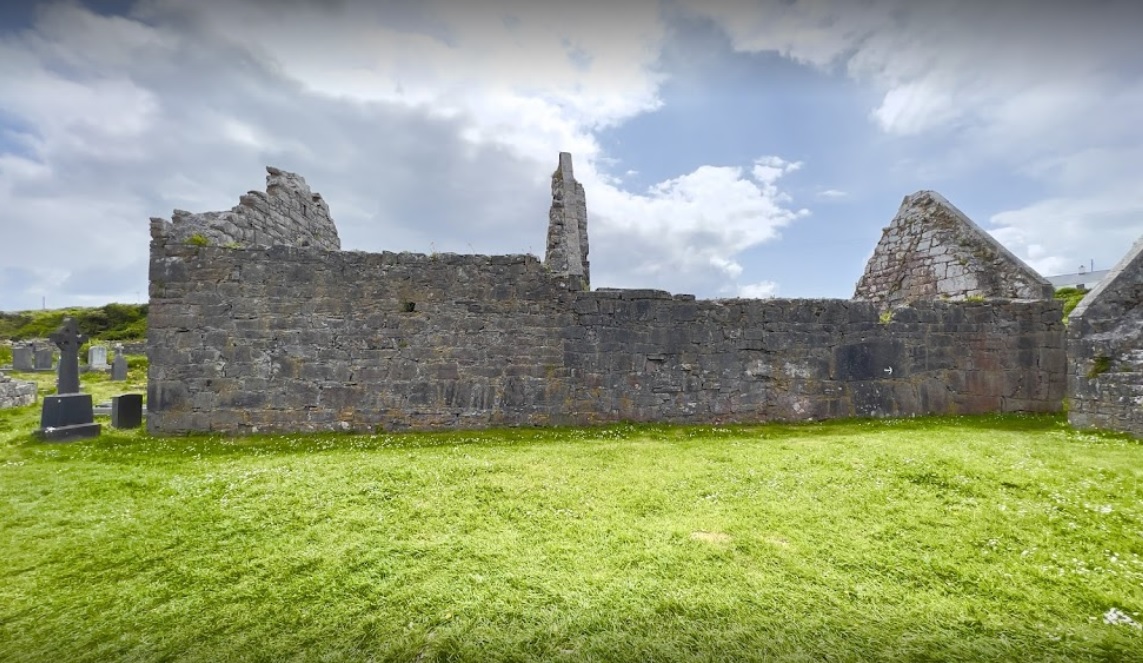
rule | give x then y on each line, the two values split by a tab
44	359
97	358
22	358
119	368
68	415
127	411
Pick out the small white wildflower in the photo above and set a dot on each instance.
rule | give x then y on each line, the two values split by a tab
1115	616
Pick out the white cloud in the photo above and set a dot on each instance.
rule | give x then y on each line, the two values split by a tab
916	107
689	229
1048	89
428	125
515	68
1056	235
760	290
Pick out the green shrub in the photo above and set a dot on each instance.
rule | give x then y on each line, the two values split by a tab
1071	297
198	239
108	323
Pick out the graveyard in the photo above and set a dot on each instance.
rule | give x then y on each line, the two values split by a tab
513	466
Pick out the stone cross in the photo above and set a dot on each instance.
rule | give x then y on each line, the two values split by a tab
68	339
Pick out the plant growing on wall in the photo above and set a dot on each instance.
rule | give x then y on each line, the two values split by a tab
1099	366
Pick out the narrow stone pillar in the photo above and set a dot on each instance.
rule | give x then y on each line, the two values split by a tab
567	225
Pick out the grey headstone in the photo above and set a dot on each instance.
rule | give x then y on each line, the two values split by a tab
119	368
97	358
127	411
23	358
44	359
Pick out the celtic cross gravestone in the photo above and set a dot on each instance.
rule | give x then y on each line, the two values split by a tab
68	415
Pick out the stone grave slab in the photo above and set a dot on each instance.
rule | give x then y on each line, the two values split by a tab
44	359
23	358
67	417
127	411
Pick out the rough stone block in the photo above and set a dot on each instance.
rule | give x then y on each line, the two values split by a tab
127	411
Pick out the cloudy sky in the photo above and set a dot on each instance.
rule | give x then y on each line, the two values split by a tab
726	148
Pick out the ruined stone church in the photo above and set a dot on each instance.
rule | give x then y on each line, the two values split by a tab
258	322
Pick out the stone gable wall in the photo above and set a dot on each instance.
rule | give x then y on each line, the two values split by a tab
288	339
287	213
932	250
1105	348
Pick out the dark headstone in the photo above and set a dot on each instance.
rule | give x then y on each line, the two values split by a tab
23	358
119	368
67	417
127	411
44	358
68	339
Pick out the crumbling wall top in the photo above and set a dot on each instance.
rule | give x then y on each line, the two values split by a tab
287	213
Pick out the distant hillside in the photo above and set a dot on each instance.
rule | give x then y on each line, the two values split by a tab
113	322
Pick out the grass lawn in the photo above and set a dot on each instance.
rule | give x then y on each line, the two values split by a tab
993	538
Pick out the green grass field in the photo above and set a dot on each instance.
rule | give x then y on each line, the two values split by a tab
993	538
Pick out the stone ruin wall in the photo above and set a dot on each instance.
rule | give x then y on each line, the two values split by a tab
1105	347
287	213
932	250
250	338
288	339
16	393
